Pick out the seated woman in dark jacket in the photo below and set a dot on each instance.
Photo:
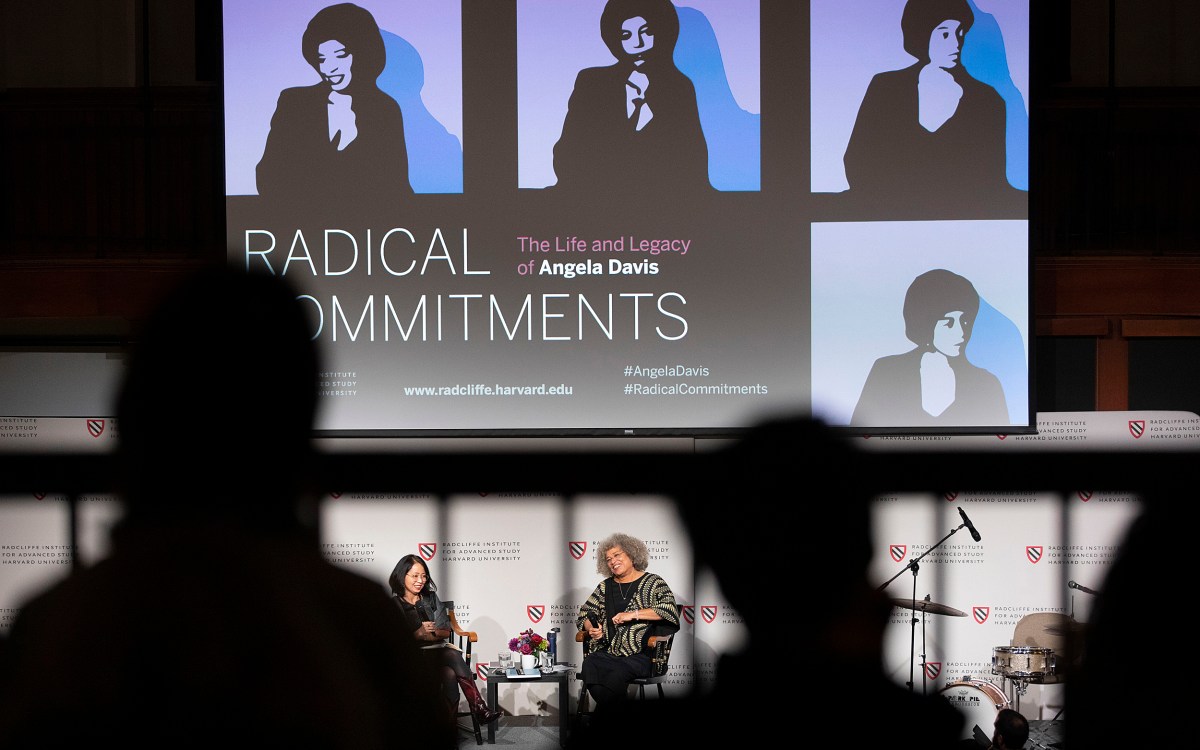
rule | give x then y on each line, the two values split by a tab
416	594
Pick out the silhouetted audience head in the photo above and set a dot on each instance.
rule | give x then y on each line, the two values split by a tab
217	406
807	590
215	618
1133	607
1012	730
753	479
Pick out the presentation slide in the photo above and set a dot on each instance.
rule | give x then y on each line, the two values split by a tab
639	217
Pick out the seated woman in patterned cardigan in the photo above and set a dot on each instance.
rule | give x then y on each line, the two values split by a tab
623	611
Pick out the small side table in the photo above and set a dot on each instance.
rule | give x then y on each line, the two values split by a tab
494	681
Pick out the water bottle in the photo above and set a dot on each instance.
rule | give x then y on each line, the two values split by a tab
553	648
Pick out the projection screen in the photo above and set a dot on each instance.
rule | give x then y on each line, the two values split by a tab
638	217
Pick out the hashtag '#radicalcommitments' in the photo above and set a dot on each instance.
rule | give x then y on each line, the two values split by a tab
628	388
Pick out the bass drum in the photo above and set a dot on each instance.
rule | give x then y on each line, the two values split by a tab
979	702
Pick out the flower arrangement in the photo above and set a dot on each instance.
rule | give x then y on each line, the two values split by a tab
528	643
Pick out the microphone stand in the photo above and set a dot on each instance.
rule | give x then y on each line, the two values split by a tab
1084	589
915	566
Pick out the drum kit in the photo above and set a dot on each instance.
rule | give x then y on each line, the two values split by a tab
1034	662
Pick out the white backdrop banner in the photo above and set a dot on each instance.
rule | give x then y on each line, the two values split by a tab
512	561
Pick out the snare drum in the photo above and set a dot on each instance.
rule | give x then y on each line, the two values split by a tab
977	700
1023	663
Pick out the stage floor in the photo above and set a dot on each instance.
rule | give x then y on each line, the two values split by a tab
1045	734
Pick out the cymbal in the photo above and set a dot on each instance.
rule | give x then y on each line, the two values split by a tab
1070	627
933	608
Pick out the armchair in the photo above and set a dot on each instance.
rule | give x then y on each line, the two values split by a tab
464	639
659	648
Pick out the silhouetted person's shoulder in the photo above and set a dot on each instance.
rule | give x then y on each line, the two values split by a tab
823	605
767	704
215	618
1128	610
208	633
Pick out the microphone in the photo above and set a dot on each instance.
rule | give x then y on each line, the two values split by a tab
970	526
1084	589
